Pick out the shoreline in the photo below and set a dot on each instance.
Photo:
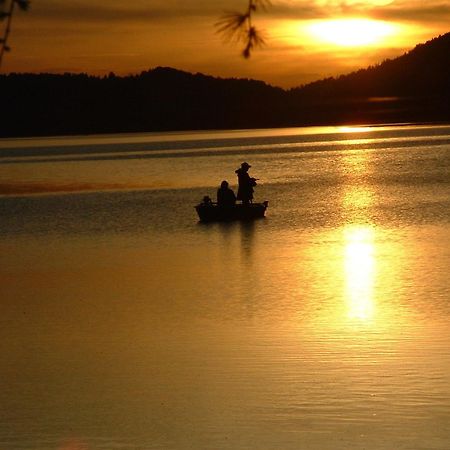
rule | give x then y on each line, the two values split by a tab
198	132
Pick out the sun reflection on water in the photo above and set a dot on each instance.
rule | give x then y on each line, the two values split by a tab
358	239
359	272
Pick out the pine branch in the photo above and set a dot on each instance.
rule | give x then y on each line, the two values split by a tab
237	26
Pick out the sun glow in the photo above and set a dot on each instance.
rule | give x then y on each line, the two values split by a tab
351	32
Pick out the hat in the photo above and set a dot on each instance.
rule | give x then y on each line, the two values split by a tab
244	164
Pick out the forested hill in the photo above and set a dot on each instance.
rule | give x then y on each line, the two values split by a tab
413	87
425	69
159	99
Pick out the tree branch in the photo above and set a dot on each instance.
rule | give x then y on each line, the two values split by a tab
237	26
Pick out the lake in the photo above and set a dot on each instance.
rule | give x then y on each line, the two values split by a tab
126	324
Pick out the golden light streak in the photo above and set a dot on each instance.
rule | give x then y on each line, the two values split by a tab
334	3
359	271
353	32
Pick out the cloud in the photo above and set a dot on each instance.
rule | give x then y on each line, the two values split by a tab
436	11
431	12
157	11
123	10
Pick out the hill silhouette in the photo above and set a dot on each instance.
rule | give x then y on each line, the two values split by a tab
412	87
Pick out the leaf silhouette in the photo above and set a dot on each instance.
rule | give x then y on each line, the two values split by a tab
23	4
8	15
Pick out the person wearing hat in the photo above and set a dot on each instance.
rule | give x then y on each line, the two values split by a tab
246	184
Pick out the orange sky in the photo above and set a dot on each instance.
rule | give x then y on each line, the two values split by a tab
306	40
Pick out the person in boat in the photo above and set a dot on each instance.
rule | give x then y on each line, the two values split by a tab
246	184
207	200
225	195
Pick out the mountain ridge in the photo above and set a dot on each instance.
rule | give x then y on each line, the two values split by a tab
415	87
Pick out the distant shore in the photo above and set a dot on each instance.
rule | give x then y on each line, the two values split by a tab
10	142
413	88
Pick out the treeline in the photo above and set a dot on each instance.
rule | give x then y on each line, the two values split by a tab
413	87
160	99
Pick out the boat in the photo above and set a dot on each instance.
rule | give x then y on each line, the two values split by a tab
212	212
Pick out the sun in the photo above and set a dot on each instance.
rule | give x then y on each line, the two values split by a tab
355	32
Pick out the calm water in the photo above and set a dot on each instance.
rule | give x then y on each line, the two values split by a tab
125	324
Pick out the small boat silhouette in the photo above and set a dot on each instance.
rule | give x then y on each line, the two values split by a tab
211	212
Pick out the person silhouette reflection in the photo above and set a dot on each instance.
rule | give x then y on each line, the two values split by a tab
246	184
225	195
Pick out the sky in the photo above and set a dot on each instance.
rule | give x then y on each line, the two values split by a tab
306	40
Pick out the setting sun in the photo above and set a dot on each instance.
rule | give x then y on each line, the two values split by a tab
351	32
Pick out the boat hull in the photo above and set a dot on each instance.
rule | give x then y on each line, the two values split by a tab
214	213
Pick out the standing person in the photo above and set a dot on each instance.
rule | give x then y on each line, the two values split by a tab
246	184
225	195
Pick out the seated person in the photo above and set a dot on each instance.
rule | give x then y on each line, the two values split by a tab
207	201
225	195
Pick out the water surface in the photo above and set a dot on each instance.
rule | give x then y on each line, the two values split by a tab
126	324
